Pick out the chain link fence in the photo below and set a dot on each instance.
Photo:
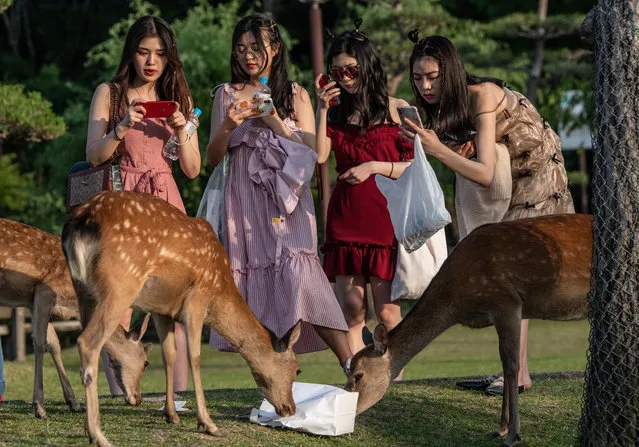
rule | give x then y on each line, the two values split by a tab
611	397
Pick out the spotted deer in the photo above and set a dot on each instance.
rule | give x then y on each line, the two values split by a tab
497	275
34	274
130	249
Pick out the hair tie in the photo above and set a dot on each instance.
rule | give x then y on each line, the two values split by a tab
413	36
328	35
358	22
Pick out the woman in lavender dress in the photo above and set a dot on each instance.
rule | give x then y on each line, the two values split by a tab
269	218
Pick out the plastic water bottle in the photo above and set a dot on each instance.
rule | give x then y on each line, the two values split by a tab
263	91
171	149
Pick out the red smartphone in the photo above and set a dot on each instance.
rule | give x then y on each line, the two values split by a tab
159	109
322	83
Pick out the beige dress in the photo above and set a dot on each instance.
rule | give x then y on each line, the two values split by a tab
535	172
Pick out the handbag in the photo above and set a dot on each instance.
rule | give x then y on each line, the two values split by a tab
86	181
414	271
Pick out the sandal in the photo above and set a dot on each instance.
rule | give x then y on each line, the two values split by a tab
497	388
477	384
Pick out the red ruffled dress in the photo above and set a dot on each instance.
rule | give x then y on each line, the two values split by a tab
359	233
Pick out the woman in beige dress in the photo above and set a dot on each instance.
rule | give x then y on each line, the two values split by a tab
507	159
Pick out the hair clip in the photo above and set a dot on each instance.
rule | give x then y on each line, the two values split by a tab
413	36
273	25
358	22
328	35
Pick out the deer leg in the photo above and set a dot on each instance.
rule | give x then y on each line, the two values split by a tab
193	328
508	330
42	306
101	325
166	332
53	346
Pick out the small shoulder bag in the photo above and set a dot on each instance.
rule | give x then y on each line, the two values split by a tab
86	181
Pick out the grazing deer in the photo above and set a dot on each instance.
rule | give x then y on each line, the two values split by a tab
497	275
34	274
130	249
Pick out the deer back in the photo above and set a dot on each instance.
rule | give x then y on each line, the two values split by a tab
31	258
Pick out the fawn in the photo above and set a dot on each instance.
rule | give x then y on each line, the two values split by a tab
497	275
132	249
34	274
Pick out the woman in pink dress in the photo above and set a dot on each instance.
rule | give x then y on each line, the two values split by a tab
271	236
150	70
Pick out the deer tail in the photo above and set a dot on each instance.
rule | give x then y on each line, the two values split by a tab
80	243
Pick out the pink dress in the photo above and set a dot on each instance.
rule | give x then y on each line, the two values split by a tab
144	168
271	236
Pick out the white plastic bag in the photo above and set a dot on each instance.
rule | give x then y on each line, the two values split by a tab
320	409
415	202
415	270
212	204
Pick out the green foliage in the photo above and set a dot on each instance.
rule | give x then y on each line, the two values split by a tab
4	5
15	187
27	116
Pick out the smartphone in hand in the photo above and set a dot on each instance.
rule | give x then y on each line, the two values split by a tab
159	109
323	81
412	114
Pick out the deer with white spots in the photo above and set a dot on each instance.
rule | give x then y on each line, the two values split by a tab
497	275
34	274
131	249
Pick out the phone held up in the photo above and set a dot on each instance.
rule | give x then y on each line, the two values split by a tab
411	113
323	80
159	109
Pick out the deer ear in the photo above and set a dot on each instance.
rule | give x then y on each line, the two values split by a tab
147	347
138	332
293	335
380	339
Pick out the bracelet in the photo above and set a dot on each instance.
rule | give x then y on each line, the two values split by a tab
392	167
177	143
115	134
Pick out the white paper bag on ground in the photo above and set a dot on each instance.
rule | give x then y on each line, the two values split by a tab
320	409
415	270
415	201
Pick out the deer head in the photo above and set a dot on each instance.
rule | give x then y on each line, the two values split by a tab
274	377
128	357
370	373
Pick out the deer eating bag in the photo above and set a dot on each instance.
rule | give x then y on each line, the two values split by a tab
415	201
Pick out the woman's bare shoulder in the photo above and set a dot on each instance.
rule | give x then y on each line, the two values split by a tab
485	97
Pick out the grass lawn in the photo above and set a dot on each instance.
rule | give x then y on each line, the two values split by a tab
423	411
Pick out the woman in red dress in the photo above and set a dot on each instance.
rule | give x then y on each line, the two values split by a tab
362	130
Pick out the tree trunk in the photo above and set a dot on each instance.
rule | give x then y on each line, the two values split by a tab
538	58
611	404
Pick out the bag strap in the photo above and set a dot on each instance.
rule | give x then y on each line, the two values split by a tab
114	104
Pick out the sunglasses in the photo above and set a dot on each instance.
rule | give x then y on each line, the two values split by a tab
339	73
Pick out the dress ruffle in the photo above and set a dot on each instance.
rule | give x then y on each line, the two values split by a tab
344	259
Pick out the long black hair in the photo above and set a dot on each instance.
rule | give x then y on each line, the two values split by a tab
172	83
370	101
452	113
281	87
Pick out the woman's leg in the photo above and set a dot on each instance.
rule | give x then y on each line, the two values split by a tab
350	294
114	388
524	374
388	313
181	367
336	340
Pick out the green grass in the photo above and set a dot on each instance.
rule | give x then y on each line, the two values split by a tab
420	412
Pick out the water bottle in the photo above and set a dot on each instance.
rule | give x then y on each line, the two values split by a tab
263	96
171	149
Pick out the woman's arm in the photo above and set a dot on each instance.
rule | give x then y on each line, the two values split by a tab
480	171
324	96
221	130
189	150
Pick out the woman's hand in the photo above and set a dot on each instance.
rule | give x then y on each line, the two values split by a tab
326	93
177	120
134	114
466	150
358	174
430	141
240	111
